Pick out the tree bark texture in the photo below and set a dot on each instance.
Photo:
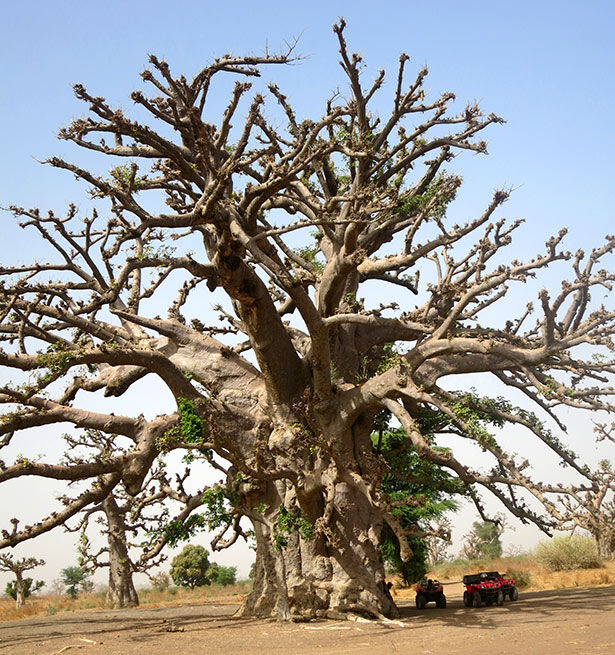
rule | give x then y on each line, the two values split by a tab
324	575
20	595
121	592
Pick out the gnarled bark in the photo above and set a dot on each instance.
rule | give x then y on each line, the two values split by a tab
336	572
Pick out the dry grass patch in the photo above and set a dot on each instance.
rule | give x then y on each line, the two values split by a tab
601	577
526	566
149	598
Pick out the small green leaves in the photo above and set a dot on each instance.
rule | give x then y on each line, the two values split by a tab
289	521
189	429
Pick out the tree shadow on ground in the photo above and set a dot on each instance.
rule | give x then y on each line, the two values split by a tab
532	607
149	622
146	625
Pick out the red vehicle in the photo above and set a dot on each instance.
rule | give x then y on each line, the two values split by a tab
488	588
428	591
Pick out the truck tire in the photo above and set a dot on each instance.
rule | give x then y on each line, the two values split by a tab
499	599
476	600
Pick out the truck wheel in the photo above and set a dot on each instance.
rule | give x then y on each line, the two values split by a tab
514	594
441	601
499	599
467	599
476	601
421	601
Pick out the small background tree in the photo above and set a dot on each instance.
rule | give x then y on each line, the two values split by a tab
222	575
22	587
29	587
160	581
189	568
74	579
483	542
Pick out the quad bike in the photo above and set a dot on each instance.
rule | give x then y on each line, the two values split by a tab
487	588
430	591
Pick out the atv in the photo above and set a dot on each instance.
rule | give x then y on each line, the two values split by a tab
488	587
428	591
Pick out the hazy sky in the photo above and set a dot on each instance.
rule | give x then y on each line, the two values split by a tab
546	67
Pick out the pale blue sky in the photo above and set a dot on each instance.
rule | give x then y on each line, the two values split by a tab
546	67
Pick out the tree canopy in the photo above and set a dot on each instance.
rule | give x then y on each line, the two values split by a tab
342	290
190	568
74	578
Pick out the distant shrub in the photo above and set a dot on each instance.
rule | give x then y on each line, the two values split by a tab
226	575
161	581
221	575
568	553
522	578
172	591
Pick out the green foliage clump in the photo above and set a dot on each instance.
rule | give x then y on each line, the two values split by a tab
289	521
190	423
125	176
415	568
434	200
219	506
310	255
428	498
189	568
74	578
218	503
29	587
568	553
189	428
56	360
389	358
177	531
222	575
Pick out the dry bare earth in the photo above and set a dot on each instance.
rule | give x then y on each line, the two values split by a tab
561	621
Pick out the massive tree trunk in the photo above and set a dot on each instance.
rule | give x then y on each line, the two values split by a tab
317	547
121	591
312	578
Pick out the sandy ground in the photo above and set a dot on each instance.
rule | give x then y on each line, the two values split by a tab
560	622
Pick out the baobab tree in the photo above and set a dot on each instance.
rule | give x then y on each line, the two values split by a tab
291	224
592	507
136	527
22	587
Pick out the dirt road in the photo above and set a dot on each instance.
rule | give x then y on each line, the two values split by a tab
566	621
